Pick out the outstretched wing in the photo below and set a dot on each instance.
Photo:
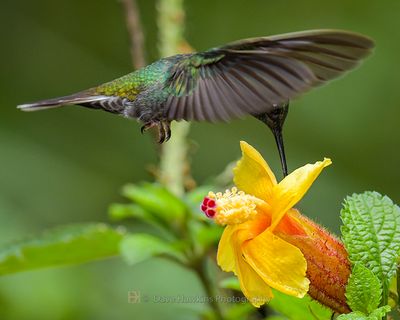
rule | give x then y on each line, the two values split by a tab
252	75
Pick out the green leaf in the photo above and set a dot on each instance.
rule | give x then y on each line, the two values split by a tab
230	283
379	313
139	247
371	232
209	235
158	201
239	311
118	212
61	246
204	234
196	196
299	308
291	307
363	292
353	316
393	291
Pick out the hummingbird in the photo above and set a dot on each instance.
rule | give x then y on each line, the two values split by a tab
255	76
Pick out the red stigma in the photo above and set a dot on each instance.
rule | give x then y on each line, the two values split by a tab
208	207
210	213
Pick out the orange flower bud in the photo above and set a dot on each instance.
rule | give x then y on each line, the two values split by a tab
328	266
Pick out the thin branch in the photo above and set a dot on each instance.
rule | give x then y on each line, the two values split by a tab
210	290
132	19
171	18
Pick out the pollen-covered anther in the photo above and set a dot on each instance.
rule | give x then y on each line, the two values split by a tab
232	207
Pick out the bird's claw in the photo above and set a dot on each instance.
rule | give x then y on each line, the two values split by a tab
147	126
167	130
164	130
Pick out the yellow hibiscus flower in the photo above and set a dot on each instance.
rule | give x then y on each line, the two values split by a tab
267	243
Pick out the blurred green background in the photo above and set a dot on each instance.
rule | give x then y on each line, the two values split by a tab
68	165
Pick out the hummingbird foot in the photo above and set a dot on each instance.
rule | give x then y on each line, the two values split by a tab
164	130
147	126
167	129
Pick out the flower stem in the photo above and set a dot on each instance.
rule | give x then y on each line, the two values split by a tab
210	290
173	153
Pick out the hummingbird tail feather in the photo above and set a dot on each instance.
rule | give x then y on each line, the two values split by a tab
77	98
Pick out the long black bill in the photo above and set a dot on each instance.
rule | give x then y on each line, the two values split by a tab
275	119
281	149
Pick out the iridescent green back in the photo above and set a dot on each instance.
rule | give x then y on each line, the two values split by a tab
130	85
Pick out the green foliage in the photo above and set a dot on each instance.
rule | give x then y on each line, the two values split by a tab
239	311
353	316
156	206
118	212
230	283
394	290
291	307
195	196
61	246
363	292
139	247
377	314
178	218
371	233
194	199
205	234
157	200
299	309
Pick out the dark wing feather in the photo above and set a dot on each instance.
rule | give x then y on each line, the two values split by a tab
250	76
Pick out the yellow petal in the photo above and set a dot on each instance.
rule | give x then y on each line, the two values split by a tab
251	284
293	187
237	234
252	174
226	254
280	264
